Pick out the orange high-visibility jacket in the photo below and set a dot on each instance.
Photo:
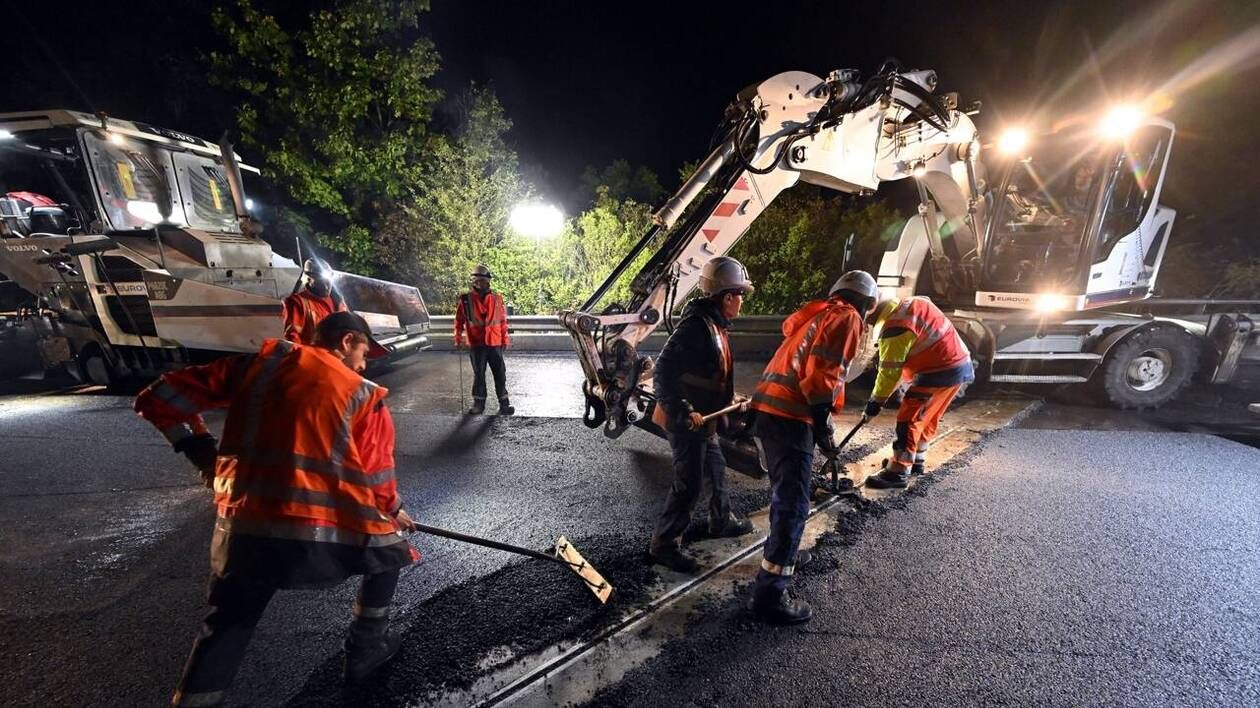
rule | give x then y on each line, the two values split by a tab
808	370
916	338
483	318
308	445
303	312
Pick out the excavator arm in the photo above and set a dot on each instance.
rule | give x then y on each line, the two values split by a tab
840	132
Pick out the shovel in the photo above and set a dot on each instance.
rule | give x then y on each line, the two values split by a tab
565	554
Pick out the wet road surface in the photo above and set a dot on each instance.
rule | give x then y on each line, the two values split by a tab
106	532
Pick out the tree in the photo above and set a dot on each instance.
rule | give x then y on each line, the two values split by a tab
795	250
457	213
621	181
338	108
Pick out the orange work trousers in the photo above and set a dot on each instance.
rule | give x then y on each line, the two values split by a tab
917	418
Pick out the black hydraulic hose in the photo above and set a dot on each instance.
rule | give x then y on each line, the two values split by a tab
617	272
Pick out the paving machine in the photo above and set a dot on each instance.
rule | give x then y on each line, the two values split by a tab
137	247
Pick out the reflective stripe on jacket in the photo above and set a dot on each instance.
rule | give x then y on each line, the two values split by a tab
916	338
483	318
303	312
808	370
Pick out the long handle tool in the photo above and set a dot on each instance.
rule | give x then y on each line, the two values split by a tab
565	554
833	467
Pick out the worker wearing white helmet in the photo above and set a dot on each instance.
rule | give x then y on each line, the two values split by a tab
304	309
692	377
802	386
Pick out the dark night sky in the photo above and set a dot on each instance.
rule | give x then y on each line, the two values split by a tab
589	82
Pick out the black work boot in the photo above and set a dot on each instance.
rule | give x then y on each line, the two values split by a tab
505	406
916	469
803	558
780	608
478	406
367	654
673	558
888	479
731	528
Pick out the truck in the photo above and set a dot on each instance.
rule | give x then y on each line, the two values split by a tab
1045	268
136	249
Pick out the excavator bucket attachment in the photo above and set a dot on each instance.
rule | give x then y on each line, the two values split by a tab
586	571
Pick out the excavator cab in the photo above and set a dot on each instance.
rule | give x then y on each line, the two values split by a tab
1076	222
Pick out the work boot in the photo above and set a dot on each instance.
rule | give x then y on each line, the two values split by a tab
916	469
478	406
803	557
365	655
888	478
731	528
780	608
505	406
673	558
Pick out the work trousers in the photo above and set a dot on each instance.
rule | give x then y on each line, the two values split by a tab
789	448
699	468
493	356
917	419
236	605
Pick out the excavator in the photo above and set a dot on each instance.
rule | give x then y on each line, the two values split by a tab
1031	265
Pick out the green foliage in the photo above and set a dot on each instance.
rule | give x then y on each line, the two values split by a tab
338	109
621	181
795	250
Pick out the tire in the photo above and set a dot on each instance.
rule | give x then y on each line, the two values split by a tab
1149	368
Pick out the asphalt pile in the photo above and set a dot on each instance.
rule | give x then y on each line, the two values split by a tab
471	629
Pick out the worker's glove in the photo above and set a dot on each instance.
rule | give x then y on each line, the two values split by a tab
404	520
460	342
202	450
824	430
873	407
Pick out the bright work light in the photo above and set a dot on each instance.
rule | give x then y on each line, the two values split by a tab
1013	141
537	220
1120	121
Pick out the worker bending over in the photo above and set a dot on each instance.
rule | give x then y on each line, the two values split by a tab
305	309
803	385
304	484
917	343
481	324
694	376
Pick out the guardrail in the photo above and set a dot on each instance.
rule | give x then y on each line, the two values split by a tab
751	334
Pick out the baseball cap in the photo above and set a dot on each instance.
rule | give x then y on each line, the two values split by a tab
346	321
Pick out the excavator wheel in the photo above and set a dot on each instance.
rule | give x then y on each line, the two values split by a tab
1149	368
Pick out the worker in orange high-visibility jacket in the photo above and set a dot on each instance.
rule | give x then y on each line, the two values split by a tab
304	484
306	308
481	324
803	385
918	344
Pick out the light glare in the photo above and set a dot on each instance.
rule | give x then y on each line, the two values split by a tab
5	135
537	220
1121	121
1013	141
1049	302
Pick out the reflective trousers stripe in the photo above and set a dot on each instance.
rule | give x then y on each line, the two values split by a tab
275	528
370	612
776	569
194	700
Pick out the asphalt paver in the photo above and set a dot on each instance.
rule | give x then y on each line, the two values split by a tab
1046	568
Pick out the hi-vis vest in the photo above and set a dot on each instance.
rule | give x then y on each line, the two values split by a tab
937	345
808	370
708	394
303	312
484	317
288	464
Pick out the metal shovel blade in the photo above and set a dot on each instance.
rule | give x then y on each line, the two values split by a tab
586	571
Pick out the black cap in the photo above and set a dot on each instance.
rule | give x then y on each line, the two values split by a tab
347	321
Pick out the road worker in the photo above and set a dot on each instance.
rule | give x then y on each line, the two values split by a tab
306	308
304	484
918	344
692	377
802	386
481	324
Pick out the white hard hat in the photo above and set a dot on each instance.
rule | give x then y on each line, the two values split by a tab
723	273
856	281
482	271
315	269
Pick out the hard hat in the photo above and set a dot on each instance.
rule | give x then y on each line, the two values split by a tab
856	281
482	271
317	269
722	274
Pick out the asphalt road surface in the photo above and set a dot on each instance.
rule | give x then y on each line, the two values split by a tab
105	536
